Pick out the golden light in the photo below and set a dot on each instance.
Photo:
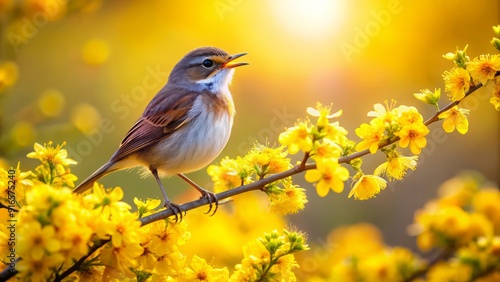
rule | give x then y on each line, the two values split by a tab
313	19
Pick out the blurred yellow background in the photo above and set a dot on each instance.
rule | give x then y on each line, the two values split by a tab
87	70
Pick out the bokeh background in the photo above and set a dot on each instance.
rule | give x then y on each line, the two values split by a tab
87	69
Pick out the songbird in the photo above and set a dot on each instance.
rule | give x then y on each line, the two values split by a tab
184	127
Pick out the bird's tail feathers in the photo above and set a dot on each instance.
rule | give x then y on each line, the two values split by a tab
89	182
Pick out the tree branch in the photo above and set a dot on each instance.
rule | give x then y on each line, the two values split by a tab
443	255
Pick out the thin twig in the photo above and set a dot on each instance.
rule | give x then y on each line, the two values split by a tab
443	255
79	263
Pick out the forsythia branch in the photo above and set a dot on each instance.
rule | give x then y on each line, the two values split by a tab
260	184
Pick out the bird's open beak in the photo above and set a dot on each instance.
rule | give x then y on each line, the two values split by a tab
227	65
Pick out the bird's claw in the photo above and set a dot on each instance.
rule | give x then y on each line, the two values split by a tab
212	199
176	210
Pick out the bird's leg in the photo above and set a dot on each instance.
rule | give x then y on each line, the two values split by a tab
212	198
176	209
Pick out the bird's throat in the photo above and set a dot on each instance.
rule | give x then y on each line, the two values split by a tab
217	83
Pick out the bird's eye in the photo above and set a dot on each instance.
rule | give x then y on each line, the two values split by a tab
207	63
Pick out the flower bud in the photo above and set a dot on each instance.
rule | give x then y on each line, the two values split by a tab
496	43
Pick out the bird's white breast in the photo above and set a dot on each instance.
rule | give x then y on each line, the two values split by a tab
199	142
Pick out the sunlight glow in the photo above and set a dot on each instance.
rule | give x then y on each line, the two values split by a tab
310	19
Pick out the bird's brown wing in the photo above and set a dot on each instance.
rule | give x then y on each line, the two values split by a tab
164	114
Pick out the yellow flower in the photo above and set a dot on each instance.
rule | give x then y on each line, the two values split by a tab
272	252
266	160
380	110
323	114
284	267
105	203
74	238
408	116
170	263
458	191
54	162
457	82
484	68
334	132
487	202
168	236
371	134
160	244
53	155
297	138
455	118
230	173
379	267
23	184
452	221
414	136
367	187
124	229
255	256
449	225
328	174
396	166
289	200
35	240
38	270
200	270
429	97
146	207
326	149
452	271
123	257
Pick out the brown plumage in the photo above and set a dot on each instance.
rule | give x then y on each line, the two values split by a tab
184	127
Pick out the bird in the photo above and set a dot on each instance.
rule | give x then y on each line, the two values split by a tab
184	127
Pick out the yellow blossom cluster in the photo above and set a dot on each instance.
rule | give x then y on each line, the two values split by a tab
324	142
463	222
97	236
54	165
358	253
463	212
270	258
468	73
261	162
55	228
389	122
464	218
327	144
